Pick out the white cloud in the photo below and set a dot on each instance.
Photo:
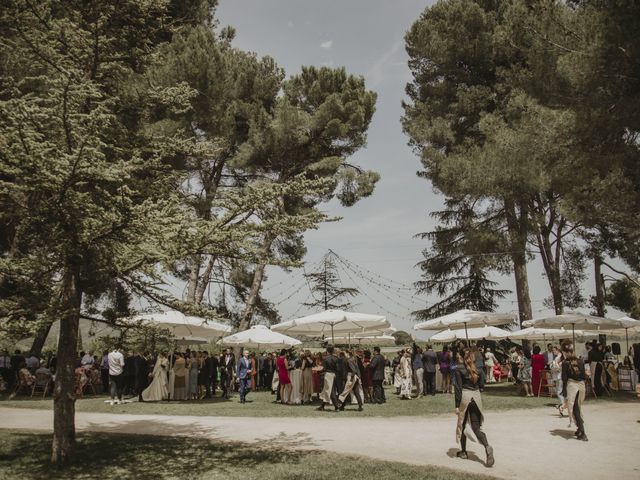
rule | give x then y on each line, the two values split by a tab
327	45
380	69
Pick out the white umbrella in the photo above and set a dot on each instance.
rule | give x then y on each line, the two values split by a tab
537	333
631	327
257	337
477	333
581	321
365	340
333	321
191	340
182	325
466	318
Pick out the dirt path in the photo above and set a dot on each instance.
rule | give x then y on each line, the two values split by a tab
528	444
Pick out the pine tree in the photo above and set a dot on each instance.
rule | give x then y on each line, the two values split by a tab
464	250
326	287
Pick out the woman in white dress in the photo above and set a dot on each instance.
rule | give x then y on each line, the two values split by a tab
158	390
405	375
296	383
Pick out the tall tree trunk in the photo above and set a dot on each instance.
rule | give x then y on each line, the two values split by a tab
41	336
64	431
203	283
551	257
517	229
597	264
194	277
258	275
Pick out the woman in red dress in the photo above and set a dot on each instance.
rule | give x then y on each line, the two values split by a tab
283	376
537	369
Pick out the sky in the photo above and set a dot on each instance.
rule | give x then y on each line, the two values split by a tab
377	234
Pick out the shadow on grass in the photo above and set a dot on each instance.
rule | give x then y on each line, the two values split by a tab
141	457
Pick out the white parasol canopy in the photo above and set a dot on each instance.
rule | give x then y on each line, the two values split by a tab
331	322
466	318
380	340
191	341
536	333
628	330
259	336
581	321
477	333
182	325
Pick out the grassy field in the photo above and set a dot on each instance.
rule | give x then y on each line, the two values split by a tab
25	455
260	404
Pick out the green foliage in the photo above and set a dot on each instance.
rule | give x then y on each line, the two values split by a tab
464	248
624	295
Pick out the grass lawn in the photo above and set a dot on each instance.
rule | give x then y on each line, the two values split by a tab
25	455
261	404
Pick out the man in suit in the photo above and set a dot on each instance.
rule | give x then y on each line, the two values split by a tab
204	375
141	367
429	360
377	376
214	363
129	374
227	365
244	375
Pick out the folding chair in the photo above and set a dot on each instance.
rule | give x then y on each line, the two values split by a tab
43	380
546	383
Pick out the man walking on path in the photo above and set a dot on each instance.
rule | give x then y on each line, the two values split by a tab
116	367
329	367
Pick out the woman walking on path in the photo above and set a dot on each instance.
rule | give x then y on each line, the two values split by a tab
573	388
556	375
469	406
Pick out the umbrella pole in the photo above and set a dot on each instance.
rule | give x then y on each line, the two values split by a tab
333	339
573	331
466	333
350	341
626	334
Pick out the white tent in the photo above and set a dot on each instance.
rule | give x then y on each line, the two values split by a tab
377	340
581	321
258	337
466	318
476	333
536	333
182	325
332	322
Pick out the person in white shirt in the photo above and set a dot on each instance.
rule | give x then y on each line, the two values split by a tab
116	366
549	356
87	360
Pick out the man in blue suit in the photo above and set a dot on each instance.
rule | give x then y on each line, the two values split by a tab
244	375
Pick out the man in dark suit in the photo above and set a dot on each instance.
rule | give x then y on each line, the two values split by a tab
129	374
377	376
211	366
429	360
227	366
341	372
205	373
141	367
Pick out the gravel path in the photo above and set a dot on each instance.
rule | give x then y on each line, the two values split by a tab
528	444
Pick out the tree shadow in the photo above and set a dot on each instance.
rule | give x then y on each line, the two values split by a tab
140	457
285	440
